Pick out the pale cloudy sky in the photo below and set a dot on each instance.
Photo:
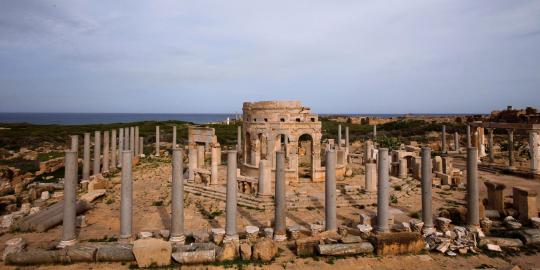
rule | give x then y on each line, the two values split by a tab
431	56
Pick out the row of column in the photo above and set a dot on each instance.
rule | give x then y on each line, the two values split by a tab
111	145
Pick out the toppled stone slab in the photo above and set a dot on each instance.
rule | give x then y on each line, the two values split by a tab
151	251
492	247
530	236
350	239
92	195
345	249
397	243
195	253
502	242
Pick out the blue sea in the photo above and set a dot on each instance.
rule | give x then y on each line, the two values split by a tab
108	118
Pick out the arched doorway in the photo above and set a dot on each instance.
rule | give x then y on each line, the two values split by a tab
305	157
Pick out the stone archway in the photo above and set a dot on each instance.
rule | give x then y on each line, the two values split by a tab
305	156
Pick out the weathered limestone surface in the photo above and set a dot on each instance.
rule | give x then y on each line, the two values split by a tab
280	200
70	199
97	153
473	215
106	140
495	195
525	202
86	157
345	249
152	252
383	194
126	197
177	198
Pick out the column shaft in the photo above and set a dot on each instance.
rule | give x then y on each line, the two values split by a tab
174	136
136	138
105	167
510	148
330	191
239	139
177	200
132	140
490	145
265	178
280	199
383	194
468	136
456	141
157	141
443	140
126	196
427	182
214	166
113	149
75	143
339	137
473	217
97	152
120	146
86	157
230	204
70	199
141	146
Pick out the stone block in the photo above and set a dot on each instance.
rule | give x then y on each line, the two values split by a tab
152	252
14	245
345	249
525	202
397	243
264	250
195	253
307	246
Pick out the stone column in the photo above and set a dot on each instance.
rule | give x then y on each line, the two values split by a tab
177	198
265	178
383	192
230	204
86	157
339	137
456	141
374	131
157	141
192	162
473	216
97	152
495	195
402	171
490	145
511	148
174	136
141	146
75	143
126	197
330	191
200	156
534	148
113	149
469	136
214	165
126	140
347	137
443	140
371	177
120	146
136	137
280	199
105	167
132	140
70	200
427	182
239	139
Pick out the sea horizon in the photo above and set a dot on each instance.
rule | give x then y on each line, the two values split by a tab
197	118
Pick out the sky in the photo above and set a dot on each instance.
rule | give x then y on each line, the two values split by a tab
346	56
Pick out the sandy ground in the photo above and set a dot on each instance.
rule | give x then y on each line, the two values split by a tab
152	184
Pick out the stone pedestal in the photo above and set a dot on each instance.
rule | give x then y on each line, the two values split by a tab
495	195
371	177
525	202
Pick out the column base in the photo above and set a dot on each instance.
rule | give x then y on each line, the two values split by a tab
428	230
280	237
125	239
180	239
231	238
66	243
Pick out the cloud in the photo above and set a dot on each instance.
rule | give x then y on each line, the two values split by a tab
207	56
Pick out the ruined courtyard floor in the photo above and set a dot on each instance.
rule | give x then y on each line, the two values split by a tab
151	190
